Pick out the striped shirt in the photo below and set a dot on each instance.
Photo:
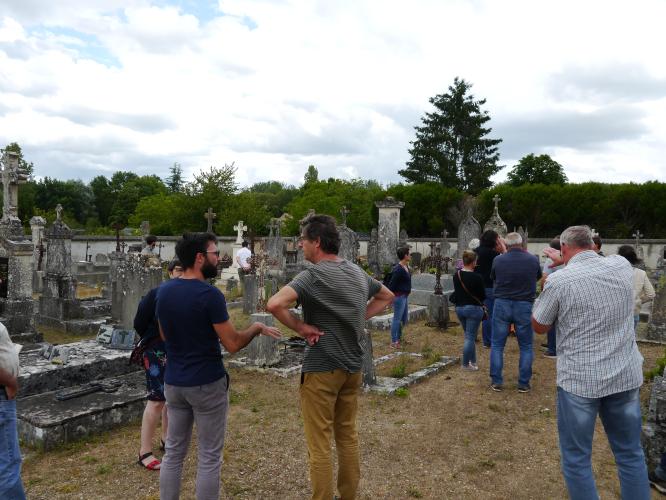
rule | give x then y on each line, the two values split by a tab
592	301
334	296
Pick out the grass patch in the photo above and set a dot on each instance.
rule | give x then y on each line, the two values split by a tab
658	370
401	366
103	469
53	336
401	392
412	492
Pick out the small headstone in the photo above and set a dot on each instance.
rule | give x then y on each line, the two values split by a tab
656	327
468	229
263	350
249	294
122	339
438	310
416	259
232	284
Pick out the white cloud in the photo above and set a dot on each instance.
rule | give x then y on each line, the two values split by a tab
90	87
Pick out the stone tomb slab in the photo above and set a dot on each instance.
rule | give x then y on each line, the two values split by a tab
388	385
44	422
383	322
87	360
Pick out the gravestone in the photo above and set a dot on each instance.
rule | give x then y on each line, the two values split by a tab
402	239
263	350
349	244
656	327
249	294
445	245
373	258
135	276
468	229
16	255
653	435
495	223
416	259
423	286
367	364
37	225
388	232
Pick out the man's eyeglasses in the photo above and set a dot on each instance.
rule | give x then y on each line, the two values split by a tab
216	252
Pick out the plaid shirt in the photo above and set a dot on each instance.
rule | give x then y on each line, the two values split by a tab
592	301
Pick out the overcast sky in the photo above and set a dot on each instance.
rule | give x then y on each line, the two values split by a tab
88	87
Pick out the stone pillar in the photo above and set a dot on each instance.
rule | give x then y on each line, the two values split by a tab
349	244
37	224
16	303
249	293
388	232
263	351
367	366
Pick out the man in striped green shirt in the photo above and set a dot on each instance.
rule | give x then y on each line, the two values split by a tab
337	297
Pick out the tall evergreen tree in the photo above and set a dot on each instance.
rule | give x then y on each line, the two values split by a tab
174	182
451	146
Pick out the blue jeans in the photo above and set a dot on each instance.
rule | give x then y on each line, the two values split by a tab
637	318
487	328
10	454
470	317
621	417
552	339
518	312
400	315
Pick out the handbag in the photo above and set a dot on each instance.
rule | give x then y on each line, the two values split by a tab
486	315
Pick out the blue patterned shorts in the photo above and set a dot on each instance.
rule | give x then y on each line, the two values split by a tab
154	362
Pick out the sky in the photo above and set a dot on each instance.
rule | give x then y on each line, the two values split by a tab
89	87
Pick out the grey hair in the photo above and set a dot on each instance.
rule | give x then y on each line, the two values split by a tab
577	237
513	240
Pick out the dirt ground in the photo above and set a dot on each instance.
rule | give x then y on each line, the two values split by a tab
450	437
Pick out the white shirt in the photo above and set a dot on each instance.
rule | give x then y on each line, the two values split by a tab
592	301
242	256
643	289
9	359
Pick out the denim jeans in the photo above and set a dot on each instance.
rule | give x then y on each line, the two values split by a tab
206	405
621	417
400	315
518	312
10	454
470	317
552	339
487	328
637	318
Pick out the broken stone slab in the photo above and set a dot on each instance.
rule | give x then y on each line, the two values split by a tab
383	322
388	385
114	337
44	422
86	361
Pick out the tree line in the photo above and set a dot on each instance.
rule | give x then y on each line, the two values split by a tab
451	160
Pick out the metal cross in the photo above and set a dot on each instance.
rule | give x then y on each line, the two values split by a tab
210	216
87	247
343	215
117	226
437	260
638	237
122	246
159	250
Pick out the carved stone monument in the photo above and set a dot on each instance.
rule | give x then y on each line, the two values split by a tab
656	327
37	225
388	232
16	252
349	244
495	223
468	229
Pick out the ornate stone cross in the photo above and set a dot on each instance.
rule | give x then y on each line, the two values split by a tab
496	199
343	215
638	237
210	216
240	228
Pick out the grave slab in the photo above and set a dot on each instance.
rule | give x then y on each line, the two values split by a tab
44	422
388	385
383	322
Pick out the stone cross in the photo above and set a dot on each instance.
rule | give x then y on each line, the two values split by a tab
58	210
638	237
210	216
145	228
343	215
240	228
496	199
122	246
12	176
260	262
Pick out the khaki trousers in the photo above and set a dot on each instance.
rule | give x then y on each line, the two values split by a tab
329	404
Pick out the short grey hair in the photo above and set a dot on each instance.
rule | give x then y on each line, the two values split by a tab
577	237
513	240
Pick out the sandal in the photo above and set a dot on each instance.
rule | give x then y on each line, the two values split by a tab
152	465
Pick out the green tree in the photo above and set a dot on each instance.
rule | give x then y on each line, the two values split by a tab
75	197
103	198
174	182
451	146
312	175
540	169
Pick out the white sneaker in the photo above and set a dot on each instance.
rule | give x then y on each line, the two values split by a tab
470	367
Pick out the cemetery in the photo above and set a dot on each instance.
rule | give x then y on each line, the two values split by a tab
81	399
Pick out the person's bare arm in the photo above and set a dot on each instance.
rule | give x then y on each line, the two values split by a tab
378	302
10	382
234	340
279	305
538	327
554	255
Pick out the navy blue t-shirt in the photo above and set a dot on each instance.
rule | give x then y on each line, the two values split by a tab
187	310
515	274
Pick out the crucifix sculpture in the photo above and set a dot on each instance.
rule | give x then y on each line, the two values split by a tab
343	215
210	216
117	226
240	228
58	211
638	237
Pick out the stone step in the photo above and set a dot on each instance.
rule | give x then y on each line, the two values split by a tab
45	423
383	322
87	361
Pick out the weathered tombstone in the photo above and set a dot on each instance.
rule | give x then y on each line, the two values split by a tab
232	284
495	223
416	259
388	232
445	245
275	244
349	244
367	364
373	259
402	238
523	234
468	229
37	225
653	435
638	247
263	351
210	216
249	294
16	255
656	327
136	276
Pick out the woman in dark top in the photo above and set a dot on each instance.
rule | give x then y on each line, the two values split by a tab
401	286
490	246
469	295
